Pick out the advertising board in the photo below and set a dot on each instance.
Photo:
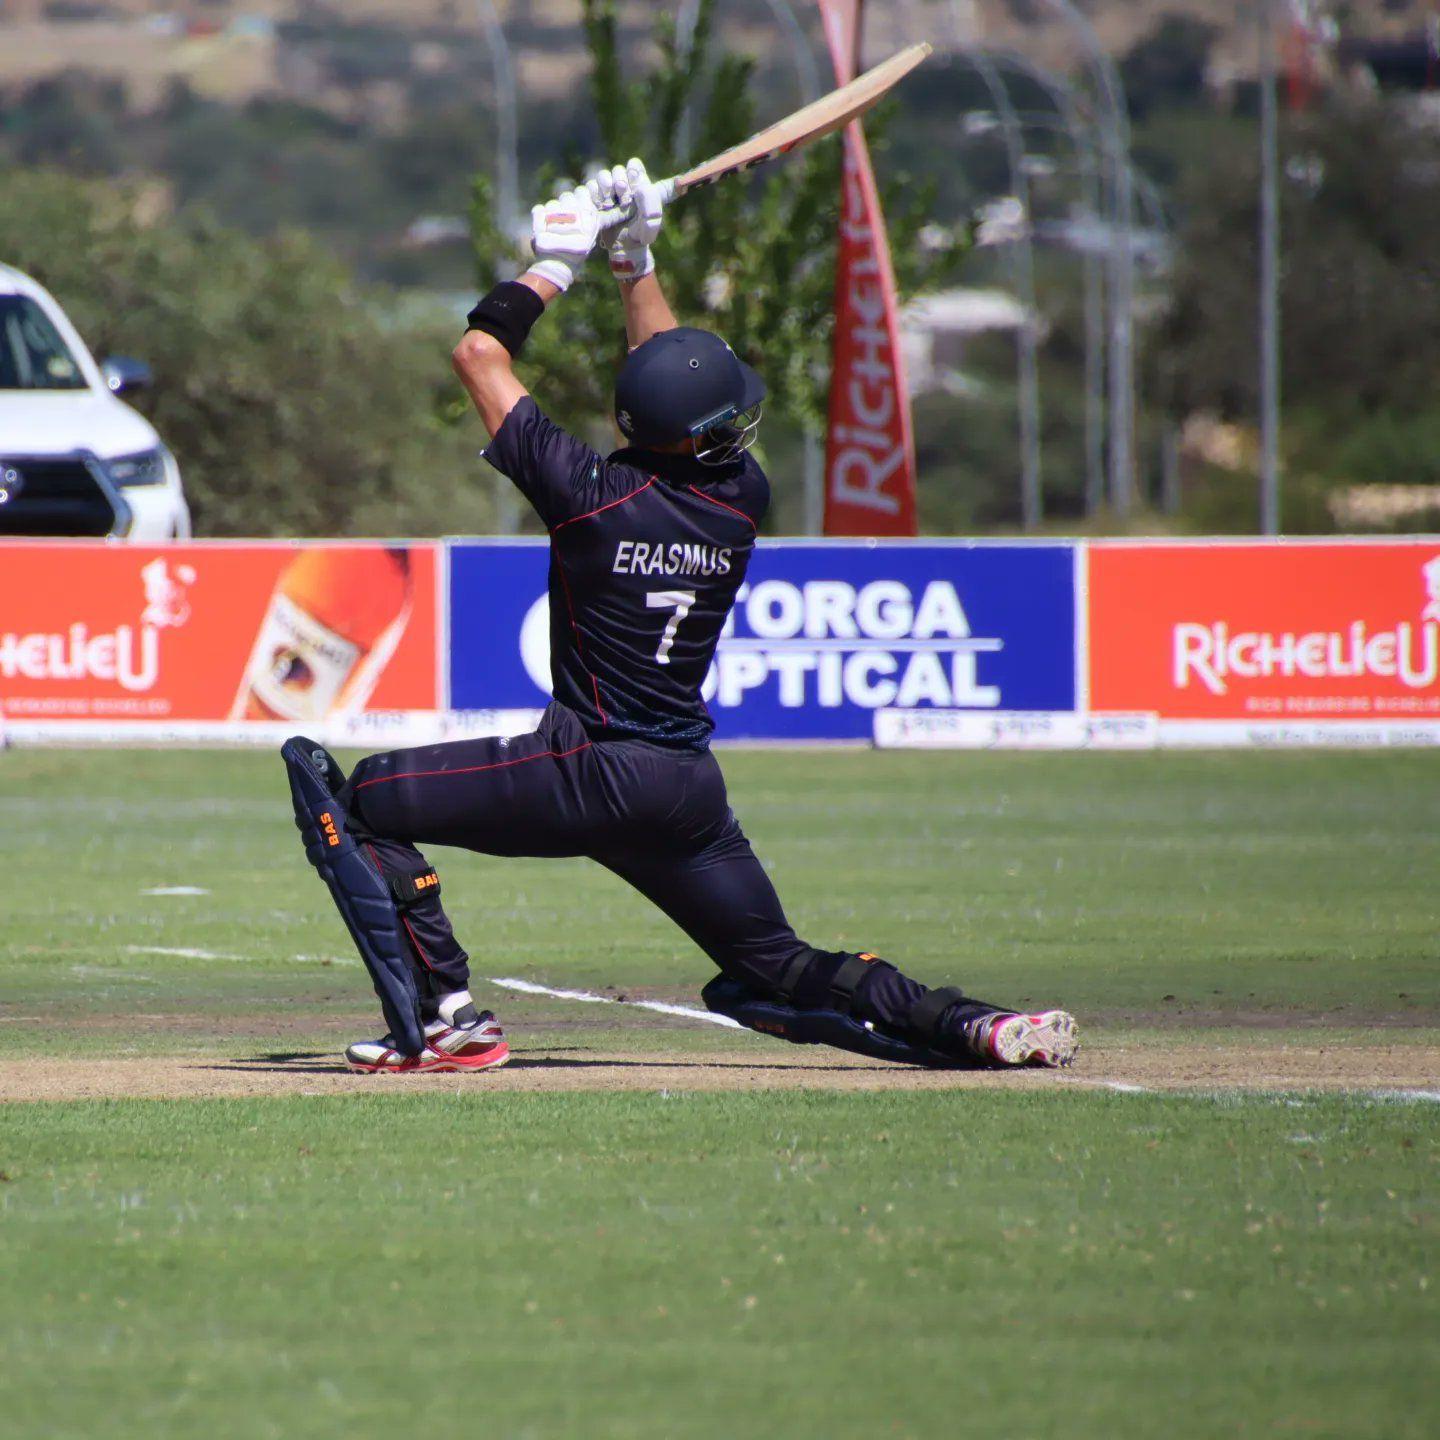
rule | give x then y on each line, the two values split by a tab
823	636
1266	643
914	644
206	639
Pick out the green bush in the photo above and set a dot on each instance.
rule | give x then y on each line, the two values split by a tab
291	403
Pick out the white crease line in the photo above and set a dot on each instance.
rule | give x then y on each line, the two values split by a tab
1297	1095
528	987
175	890
186	954
180	954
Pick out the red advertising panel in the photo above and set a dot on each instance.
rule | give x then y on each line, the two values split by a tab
216	633
1267	632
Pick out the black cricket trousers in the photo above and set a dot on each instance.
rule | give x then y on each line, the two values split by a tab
658	817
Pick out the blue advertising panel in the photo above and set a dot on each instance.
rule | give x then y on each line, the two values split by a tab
823	634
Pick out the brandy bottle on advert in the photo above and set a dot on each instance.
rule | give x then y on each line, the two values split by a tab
334	619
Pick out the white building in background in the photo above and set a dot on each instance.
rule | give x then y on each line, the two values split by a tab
936	331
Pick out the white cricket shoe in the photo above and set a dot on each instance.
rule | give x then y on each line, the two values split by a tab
1050	1038
474	1042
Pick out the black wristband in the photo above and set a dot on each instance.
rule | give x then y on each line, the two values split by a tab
508	312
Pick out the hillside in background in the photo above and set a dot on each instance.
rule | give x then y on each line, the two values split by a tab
362	125
238	49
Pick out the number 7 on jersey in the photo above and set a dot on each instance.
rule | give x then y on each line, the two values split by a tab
678	600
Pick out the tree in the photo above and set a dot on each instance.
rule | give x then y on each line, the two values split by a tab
1168	67
72	119
756	265
1360	299
1361	208
291	404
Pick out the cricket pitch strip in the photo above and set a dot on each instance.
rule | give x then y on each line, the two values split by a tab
1404	1070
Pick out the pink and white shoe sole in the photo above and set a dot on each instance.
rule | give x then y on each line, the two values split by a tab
482	1052
1049	1039
433	1061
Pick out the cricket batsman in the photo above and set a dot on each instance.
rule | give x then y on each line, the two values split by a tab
648	547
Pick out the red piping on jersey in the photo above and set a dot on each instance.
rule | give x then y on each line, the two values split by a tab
474	769
609	505
565	586
724	506
570	610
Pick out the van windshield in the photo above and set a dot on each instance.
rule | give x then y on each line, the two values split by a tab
32	354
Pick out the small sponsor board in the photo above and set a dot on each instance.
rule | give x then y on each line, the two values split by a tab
1010	730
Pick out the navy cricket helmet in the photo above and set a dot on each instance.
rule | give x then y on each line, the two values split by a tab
689	384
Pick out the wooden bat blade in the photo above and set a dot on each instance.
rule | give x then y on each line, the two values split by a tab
821	117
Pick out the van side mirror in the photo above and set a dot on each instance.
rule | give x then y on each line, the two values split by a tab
122	373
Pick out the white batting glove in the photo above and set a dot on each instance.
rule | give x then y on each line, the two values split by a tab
562	234
629	247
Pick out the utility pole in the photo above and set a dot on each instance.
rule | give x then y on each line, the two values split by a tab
507	137
1074	126
1032	494
1122	255
1032	504
1269	277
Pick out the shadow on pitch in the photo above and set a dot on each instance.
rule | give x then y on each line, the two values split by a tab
546	1062
319	1062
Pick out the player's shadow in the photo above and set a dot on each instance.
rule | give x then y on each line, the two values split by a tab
296	1062
320	1062
284	1063
545	1062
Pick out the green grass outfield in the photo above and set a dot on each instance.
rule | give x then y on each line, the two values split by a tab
1030	1259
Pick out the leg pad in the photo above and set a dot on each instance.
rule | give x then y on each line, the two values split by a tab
360	894
774	1016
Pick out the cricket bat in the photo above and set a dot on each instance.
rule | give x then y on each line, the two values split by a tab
821	117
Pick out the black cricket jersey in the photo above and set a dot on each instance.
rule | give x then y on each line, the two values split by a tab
647	551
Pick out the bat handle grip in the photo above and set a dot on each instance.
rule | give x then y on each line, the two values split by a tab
614	216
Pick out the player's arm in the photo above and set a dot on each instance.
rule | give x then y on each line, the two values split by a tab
486	367
563	233
647	311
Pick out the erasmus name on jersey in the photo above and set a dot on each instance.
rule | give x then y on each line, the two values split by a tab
647	551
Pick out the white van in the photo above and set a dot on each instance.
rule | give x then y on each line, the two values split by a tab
74	458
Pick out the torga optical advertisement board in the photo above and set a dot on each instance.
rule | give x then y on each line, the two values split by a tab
823	637
216	640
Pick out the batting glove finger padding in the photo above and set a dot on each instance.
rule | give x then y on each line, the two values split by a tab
562	233
629	185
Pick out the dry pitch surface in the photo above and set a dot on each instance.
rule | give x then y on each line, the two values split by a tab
1185	1064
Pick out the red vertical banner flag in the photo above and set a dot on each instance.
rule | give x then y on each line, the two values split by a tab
870	450
1299	63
